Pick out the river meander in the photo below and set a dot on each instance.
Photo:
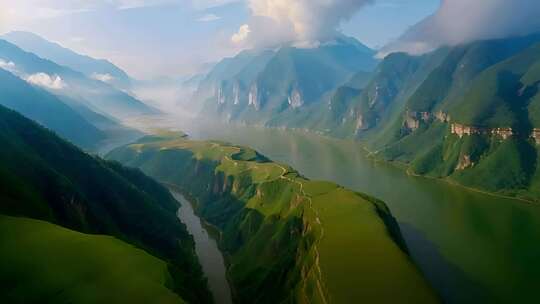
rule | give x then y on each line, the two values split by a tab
471	246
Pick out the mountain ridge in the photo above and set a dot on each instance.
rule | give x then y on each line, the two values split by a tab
91	67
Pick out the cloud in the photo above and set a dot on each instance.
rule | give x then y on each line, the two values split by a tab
7	65
462	21
208	18
103	77
303	22
44	80
242	34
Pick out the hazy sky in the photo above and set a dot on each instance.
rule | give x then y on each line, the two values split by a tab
462	21
149	38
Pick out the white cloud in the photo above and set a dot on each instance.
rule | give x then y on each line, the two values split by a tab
242	34
300	21
7	65
208	18
103	77
461	21
44	80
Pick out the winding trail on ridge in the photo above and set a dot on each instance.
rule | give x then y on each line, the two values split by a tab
310	204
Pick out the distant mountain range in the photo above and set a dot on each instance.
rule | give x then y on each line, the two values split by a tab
99	69
97	95
453	113
281	86
47	109
81	109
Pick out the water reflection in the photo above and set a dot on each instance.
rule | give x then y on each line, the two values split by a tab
467	243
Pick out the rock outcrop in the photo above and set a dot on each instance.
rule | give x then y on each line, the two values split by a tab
504	133
442	117
236	93
413	119
253	98
536	135
295	99
464	162
220	96
463	130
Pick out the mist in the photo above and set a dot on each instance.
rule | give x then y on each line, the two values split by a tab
462	21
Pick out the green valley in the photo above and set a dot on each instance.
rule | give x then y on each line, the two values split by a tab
306	241
45	178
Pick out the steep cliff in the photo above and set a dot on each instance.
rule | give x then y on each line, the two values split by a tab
287	239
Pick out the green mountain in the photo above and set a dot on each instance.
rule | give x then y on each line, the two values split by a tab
474	119
286	239
91	67
468	113
279	87
358	107
147	251
48	110
96	95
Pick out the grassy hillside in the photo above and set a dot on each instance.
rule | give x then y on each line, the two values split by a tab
45	263
46	178
286	238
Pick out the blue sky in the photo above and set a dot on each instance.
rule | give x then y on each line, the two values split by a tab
150	38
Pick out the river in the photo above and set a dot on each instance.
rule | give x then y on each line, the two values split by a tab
472	247
207	251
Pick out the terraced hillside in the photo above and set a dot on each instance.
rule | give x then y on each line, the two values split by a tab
286	238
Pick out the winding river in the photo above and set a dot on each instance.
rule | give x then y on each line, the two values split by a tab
472	247
207	250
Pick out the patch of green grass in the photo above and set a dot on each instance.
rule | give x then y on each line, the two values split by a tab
358	258
45	263
305	241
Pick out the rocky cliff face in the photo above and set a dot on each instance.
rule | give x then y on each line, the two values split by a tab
464	162
462	130
295	99
442	116
253	97
536	135
413	120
